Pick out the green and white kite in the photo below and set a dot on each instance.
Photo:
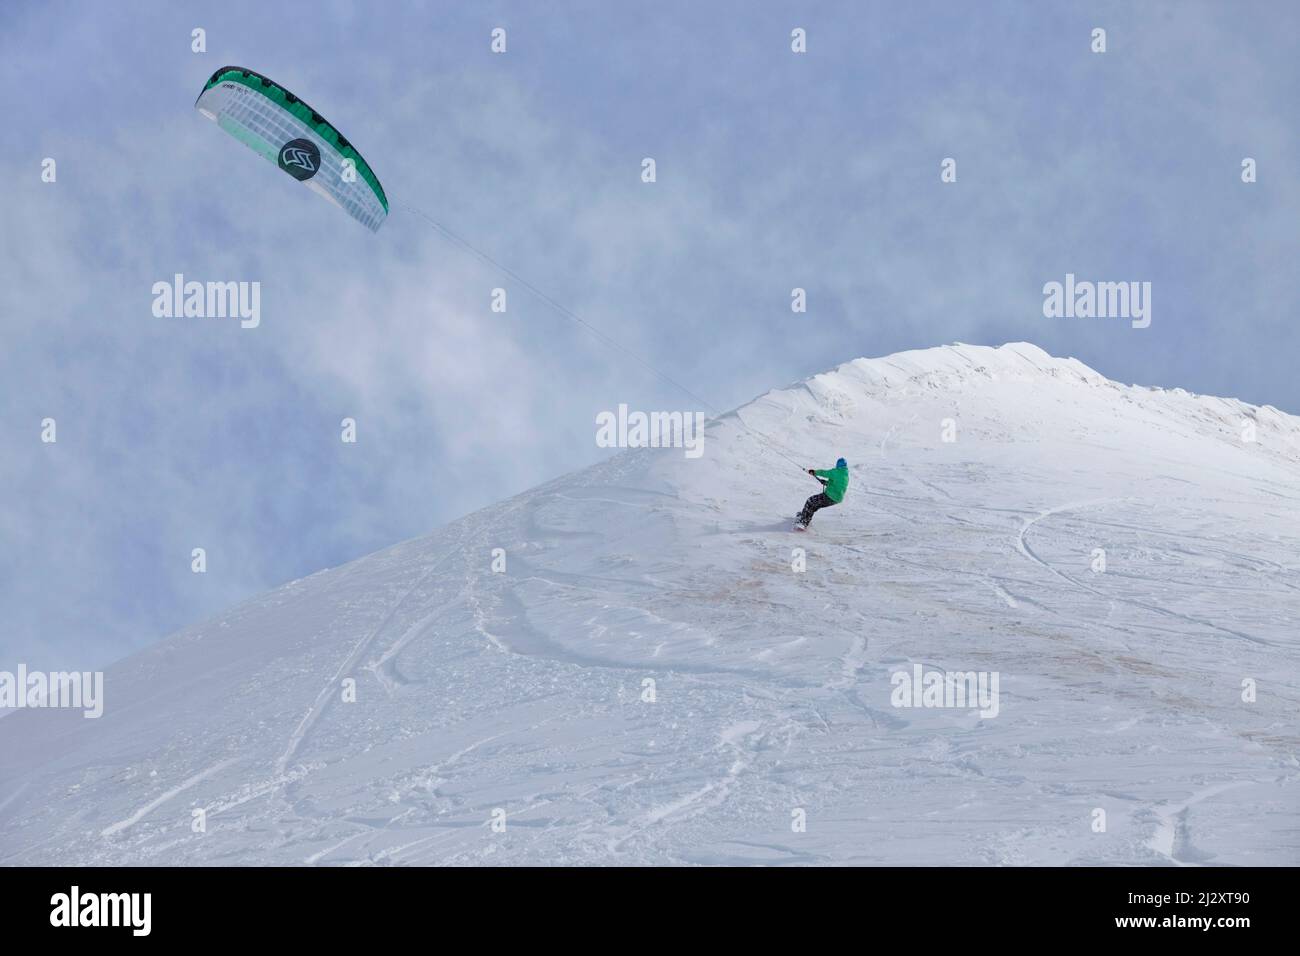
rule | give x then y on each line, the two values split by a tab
274	123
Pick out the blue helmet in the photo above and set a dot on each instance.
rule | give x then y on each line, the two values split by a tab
841	463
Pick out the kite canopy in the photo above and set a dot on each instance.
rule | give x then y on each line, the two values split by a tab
274	123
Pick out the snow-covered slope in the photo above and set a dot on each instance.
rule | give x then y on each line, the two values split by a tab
526	691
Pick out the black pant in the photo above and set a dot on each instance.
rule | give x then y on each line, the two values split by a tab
813	505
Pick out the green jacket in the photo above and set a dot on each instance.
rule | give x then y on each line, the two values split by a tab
837	482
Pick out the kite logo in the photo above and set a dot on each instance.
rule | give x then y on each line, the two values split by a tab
300	159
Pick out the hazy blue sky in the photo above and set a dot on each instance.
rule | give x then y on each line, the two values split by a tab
775	170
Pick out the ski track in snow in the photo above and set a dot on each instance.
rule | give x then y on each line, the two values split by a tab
1029	552
350	663
158	801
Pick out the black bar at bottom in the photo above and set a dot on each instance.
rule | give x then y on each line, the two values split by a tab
212	906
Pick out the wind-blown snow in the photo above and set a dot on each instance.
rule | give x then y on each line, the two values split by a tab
523	691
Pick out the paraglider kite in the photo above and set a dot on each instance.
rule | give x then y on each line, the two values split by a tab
274	123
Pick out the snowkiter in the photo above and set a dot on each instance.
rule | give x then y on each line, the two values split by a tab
835	481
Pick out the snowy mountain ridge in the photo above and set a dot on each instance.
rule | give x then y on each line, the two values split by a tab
639	663
957	366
